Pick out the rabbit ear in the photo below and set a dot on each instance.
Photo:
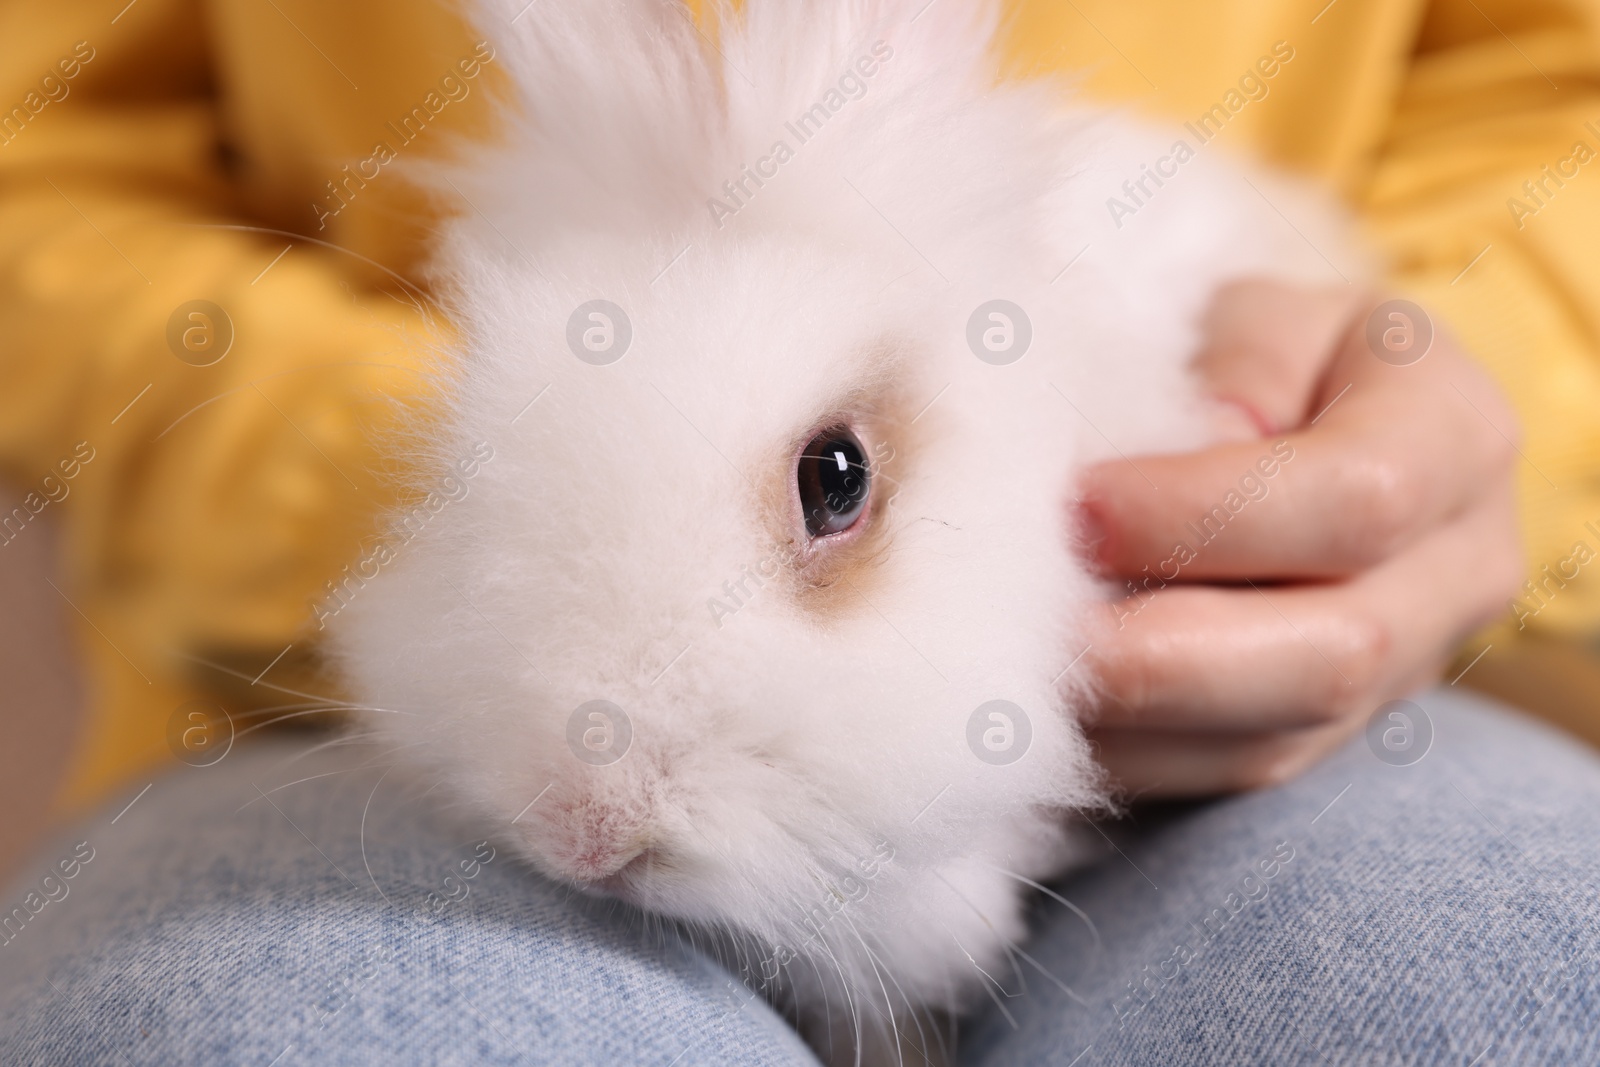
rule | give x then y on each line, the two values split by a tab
862	103
935	42
626	114
613	109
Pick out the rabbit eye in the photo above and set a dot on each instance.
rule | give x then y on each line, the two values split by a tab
834	481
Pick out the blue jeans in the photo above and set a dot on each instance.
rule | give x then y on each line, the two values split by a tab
1439	912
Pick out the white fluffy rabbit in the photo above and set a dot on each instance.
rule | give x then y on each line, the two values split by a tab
717	626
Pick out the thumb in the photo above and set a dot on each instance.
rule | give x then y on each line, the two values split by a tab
1266	346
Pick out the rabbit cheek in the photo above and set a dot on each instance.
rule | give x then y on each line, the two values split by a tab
834	586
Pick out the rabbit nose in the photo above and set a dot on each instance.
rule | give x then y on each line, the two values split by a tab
612	872
601	860
626	877
592	840
598	855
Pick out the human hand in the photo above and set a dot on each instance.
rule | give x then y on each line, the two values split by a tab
1383	535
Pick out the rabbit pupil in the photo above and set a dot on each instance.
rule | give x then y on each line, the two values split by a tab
834	482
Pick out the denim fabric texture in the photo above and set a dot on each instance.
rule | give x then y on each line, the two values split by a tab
1441	912
290	906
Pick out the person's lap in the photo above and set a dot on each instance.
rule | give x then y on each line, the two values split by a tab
1366	913
231	917
1443	911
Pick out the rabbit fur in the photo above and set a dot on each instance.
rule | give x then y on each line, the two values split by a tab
799	773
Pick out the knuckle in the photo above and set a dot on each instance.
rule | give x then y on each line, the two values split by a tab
1286	758
1280	762
1333	703
1362	654
1493	444
1284	771
1245	780
1506	574
1500	451
1492	426
1264	774
1389	493
1120	679
1127	685
1500	582
1499	572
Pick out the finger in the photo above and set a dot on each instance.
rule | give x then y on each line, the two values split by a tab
1267	345
1399	450
1156	766
1197	658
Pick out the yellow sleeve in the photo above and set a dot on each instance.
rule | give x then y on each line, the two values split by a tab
213	463
1487	194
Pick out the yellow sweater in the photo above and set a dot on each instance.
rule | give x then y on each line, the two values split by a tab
202	240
